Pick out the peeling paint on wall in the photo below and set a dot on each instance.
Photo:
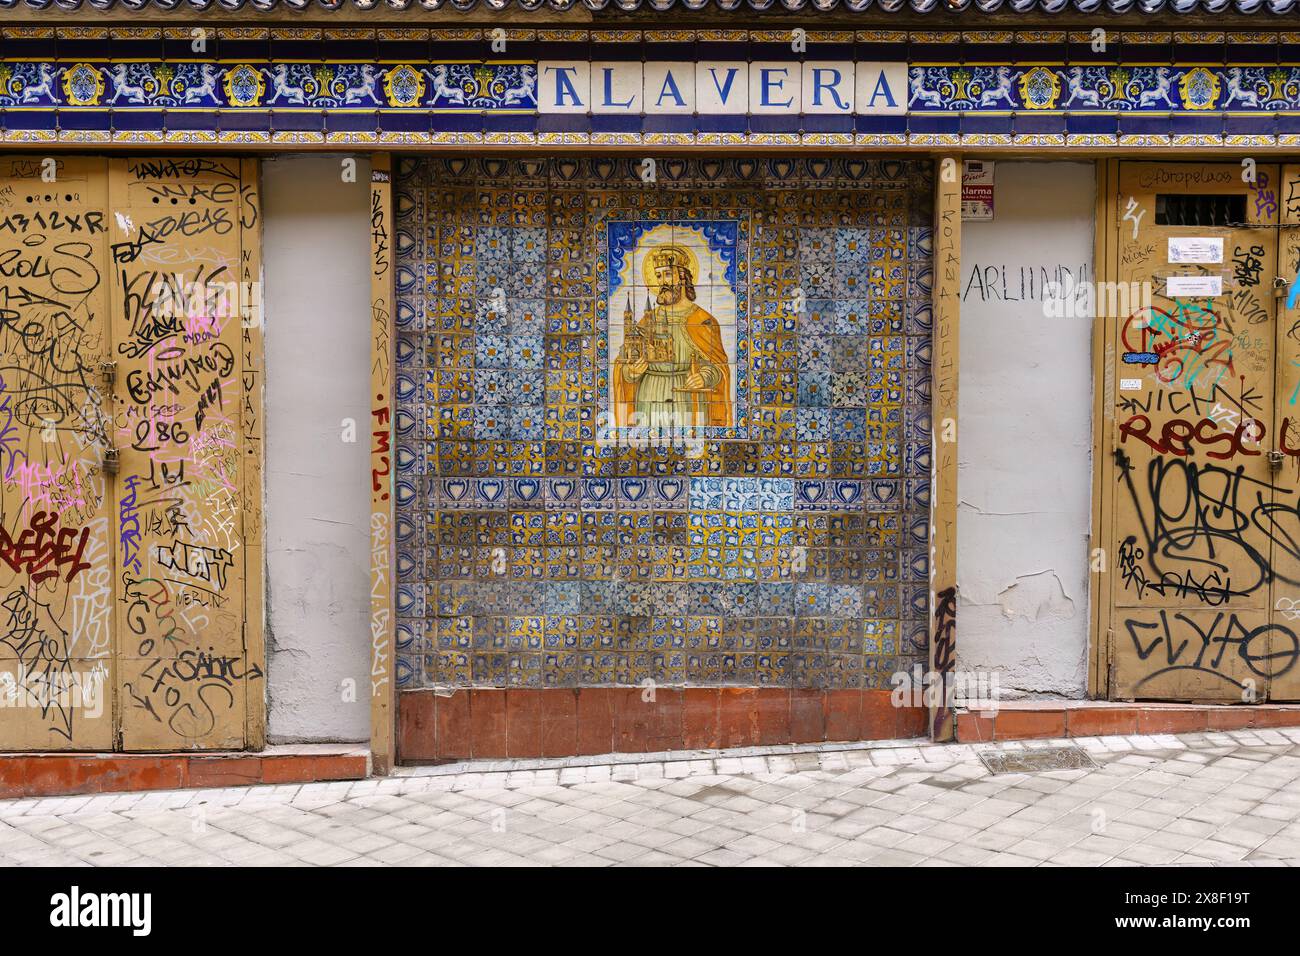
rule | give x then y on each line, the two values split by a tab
1026	435
1035	597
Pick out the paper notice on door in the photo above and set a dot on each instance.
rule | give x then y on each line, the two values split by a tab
1177	286
977	191
1201	249
1130	384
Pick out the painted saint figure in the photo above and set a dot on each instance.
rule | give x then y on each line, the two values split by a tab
672	370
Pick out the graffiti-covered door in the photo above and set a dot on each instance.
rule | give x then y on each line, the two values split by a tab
1284	516
1200	509
179	289
56	572
129	450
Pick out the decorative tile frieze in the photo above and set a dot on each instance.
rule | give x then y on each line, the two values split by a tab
396	87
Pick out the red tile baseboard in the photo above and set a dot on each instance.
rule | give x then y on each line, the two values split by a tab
71	774
1022	720
564	722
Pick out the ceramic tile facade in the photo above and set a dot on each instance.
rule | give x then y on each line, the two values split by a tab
714	88
784	546
776	87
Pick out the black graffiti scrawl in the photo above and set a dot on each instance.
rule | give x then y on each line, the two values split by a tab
124	322
55	567
182	306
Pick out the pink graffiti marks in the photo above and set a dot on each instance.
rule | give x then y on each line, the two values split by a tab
214	458
180	374
54	554
43	550
179	519
57	488
380	614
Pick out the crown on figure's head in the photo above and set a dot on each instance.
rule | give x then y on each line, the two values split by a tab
669	256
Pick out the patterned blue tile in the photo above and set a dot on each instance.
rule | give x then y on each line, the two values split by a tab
614	534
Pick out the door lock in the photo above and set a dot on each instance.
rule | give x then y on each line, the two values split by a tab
108	372
1275	459
112	461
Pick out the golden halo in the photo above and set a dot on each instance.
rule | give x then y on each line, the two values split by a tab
647	267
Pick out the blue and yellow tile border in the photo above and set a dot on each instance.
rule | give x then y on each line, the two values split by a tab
454	87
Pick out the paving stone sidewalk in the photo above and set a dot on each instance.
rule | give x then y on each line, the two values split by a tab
1215	798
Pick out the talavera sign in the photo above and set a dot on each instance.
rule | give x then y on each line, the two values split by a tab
830	87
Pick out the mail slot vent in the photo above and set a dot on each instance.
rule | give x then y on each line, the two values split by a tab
1203	209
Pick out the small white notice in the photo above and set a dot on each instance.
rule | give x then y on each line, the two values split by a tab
1130	384
1176	286
1200	249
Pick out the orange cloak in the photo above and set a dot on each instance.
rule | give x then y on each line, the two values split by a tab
703	331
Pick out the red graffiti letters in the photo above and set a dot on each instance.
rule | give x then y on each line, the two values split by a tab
1178	436
43	551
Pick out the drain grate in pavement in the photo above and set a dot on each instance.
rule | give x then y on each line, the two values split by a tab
1034	761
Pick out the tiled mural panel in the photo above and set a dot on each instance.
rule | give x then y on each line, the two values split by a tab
662	421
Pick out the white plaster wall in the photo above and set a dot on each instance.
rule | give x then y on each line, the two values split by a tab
316	251
1024	436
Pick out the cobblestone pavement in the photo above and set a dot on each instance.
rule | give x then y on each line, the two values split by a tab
1217	798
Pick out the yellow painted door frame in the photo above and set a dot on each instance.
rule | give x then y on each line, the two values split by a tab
382	499
1103	421
945	360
